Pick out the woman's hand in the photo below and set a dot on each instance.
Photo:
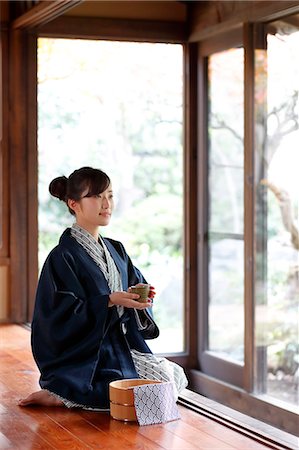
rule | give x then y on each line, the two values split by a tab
128	300
152	291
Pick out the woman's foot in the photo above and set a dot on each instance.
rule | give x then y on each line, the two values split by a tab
42	398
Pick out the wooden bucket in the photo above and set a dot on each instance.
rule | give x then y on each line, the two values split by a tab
122	398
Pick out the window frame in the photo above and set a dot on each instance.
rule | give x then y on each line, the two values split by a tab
205	379
174	33
181	357
209	362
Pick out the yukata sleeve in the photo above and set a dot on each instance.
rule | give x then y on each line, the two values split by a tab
68	319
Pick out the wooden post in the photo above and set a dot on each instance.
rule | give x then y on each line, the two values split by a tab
18	175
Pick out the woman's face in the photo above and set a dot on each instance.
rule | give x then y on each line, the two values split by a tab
94	211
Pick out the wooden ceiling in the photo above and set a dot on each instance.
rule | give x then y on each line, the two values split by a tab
169	10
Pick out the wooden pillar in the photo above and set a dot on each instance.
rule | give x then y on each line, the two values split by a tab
18	165
4	191
32	160
191	201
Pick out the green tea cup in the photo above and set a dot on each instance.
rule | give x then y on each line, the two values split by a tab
142	290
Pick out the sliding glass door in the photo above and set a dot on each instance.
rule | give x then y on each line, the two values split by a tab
223	350
249	216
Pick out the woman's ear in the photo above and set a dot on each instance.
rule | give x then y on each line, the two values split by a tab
72	204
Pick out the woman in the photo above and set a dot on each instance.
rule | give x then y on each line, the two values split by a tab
88	329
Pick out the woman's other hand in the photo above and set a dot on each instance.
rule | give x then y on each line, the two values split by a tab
152	293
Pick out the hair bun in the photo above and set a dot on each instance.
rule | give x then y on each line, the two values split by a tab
58	187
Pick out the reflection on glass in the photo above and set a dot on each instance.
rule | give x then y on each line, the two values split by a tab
226	278
277	237
226	293
118	106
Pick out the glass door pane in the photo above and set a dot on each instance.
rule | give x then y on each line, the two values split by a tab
277	230
118	106
225	227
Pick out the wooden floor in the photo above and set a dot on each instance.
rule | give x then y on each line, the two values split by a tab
59	428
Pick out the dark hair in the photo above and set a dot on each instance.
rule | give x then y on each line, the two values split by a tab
95	180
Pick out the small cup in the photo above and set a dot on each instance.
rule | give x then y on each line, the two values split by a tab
142	290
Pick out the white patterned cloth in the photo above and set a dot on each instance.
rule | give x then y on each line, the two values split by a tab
155	403
151	367
101	256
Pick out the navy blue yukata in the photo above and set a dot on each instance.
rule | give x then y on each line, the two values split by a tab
78	342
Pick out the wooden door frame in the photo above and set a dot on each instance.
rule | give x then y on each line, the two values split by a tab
24	159
188	358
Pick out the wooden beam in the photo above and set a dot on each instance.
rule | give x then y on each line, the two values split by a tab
115	29
43	13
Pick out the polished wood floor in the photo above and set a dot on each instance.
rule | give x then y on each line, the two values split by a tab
59	428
